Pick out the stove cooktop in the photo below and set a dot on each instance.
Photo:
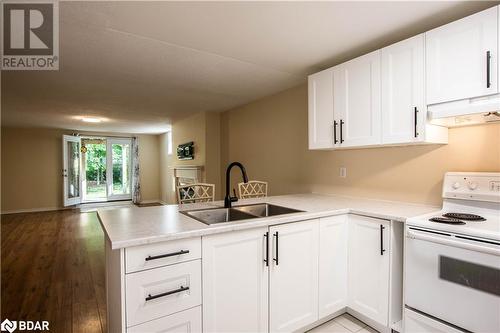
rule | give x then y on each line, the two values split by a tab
464	216
448	220
488	227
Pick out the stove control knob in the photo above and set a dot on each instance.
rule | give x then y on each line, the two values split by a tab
456	185
472	185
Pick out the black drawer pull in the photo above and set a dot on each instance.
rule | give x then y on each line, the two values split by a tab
181	289
335	132
166	255
382	250
266	260
415	122
341	128
488	69
277	247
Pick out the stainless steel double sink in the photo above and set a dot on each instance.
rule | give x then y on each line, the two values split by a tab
237	213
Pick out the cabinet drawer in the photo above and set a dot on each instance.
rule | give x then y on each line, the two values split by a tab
160	254
162	291
188	321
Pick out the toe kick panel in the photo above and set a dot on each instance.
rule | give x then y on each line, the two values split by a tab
162	291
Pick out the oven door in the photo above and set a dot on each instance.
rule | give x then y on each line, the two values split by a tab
453	278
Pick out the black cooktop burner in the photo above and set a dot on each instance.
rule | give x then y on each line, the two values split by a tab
447	220
463	216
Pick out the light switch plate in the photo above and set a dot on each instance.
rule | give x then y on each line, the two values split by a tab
343	172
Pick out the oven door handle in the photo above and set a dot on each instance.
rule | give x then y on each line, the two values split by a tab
452	242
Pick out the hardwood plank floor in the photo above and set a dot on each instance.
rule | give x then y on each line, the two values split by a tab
53	269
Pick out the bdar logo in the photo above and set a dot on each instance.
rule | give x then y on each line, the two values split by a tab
9	326
30	35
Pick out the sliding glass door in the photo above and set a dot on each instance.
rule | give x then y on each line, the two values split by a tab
119	169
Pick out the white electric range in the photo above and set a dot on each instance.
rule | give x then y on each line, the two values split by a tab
452	259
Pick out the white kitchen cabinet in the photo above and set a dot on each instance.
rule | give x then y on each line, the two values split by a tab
293	297
462	58
188	321
235	282
158	292
357	100
369	250
403	102
320	90
332	264
404	111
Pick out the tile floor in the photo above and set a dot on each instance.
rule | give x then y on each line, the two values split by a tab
343	324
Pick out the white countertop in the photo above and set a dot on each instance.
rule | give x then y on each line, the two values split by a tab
132	226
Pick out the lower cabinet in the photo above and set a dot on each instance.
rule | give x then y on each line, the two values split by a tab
332	264
235	281
239	267
286	277
368	269
293	294
188	321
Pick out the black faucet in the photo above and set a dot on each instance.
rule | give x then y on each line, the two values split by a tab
228	199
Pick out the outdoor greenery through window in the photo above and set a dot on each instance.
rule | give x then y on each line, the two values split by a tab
95	164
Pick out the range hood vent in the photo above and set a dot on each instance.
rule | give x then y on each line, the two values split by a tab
466	112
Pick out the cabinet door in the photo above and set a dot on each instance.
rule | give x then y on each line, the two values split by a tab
235	282
403	105
294	276
457	57
357	100
332	264
320	99
369	267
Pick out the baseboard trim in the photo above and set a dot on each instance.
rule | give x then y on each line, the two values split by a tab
35	210
150	201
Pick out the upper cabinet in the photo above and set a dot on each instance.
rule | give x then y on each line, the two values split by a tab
320	101
356	95
462	58
399	94
403	95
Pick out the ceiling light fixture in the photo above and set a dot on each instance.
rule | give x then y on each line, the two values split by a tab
91	119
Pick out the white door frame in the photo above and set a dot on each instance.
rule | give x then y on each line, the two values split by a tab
74	200
109	168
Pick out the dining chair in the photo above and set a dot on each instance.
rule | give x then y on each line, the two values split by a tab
198	192
252	189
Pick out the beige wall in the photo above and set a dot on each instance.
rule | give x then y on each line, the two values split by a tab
270	138
149	163
204	130
32	163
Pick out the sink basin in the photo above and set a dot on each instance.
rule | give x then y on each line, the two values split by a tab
237	213
264	210
218	215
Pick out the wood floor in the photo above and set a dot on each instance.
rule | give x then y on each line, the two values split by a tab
53	269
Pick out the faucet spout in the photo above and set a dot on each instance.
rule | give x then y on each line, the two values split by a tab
228	199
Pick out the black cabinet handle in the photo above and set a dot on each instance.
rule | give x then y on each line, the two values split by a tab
382	250
277	247
181	289
335	132
415	125
341	134
266	260
166	255
488	69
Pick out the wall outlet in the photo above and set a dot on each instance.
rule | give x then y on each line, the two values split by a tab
343	172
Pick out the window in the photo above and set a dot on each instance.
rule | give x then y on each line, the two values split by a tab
169	143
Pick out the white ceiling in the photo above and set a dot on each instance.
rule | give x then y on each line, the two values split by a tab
143	65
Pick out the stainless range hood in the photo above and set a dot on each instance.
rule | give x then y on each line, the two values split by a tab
472	111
